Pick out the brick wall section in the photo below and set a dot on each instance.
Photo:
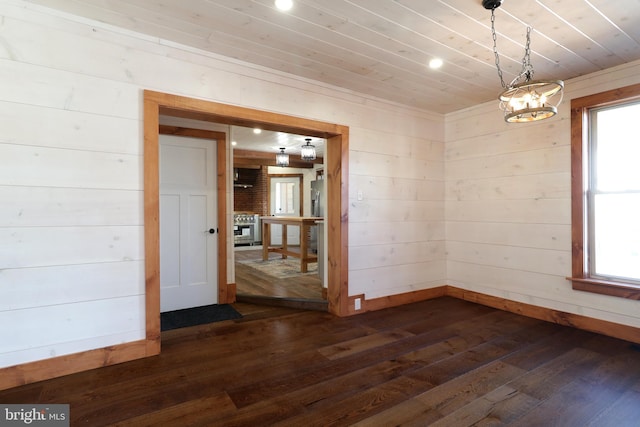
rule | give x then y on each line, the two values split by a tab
262	193
252	199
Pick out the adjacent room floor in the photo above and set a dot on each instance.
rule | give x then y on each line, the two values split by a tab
290	284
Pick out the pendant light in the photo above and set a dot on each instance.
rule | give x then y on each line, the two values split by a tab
524	99
282	158
308	151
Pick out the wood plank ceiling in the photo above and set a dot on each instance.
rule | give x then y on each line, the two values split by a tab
381	47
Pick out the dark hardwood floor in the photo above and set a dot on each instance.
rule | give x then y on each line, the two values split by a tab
443	362
251	282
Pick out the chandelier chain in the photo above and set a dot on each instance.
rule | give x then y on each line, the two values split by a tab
527	68
495	46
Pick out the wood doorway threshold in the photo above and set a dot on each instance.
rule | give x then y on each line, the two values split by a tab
297	303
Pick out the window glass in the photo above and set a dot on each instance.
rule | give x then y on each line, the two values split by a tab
613	205
617	236
285	197
617	148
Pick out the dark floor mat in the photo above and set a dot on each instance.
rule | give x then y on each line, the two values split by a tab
197	316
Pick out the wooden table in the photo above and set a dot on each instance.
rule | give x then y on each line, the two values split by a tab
305	223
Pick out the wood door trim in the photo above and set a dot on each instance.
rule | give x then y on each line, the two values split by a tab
226	292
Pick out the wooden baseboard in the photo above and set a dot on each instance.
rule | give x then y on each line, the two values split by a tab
40	370
396	300
231	294
615	330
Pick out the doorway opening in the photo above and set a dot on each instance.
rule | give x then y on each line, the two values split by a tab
335	174
284	263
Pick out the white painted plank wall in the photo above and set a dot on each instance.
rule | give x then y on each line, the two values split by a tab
396	231
71	217
71	269
508	205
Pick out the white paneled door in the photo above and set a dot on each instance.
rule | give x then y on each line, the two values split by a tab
188	223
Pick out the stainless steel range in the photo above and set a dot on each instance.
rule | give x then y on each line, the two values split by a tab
246	228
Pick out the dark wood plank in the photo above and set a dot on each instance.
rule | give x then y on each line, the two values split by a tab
588	394
438	362
190	412
434	404
624	412
500	406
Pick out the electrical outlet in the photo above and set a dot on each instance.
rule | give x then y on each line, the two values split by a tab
357	303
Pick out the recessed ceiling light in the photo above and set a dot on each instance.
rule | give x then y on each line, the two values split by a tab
435	63
284	5
257	131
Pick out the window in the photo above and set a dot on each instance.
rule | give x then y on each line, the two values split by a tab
285	198
605	152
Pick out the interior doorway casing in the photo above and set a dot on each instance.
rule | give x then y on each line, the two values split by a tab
336	176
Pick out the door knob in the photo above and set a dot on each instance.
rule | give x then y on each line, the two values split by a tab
212	230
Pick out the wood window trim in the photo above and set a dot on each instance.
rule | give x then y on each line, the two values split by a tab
579	125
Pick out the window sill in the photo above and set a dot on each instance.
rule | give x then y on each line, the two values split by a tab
604	287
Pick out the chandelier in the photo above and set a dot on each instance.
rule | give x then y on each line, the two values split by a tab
282	158
308	151
524	99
